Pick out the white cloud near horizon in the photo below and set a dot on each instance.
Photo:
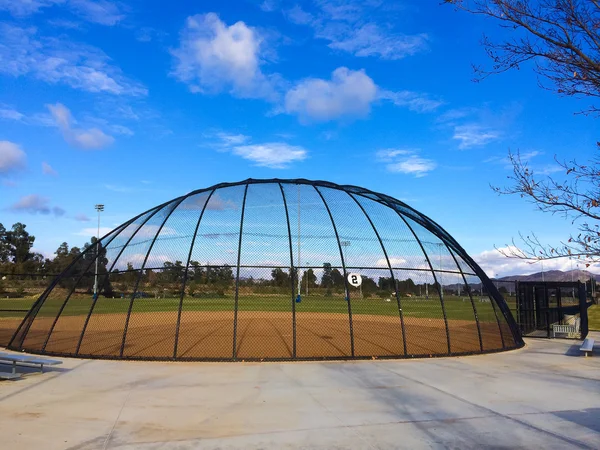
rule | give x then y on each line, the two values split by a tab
36	204
406	161
87	139
12	158
213	57
494	263
56	60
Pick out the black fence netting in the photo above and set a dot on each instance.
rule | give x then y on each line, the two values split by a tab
266	270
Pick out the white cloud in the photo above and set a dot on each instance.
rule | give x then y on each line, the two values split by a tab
81	217
356	28
36	204
493	263
275	155
415	101
214	57
395	262
11	114
232	139
48	170
57	60
348	94
370	40
88	139
20	8
474	135
103	12
93	231
12	158
406	161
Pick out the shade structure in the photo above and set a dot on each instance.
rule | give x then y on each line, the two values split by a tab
269	270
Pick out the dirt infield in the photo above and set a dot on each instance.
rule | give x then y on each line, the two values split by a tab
260	335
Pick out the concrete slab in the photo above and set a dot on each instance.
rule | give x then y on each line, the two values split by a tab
543	396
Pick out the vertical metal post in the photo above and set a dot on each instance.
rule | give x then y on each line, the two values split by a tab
299	263
98	208
106	278
237	277
184	281
55	281
430	267
337	237
470	296
141	274
387	259
287	217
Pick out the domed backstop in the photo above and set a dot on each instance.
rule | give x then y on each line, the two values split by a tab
271	270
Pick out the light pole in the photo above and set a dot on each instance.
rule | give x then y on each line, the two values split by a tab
98	208
345	244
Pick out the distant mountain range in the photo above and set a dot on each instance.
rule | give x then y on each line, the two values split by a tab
552	275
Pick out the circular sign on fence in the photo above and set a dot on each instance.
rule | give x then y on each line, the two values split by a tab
354	279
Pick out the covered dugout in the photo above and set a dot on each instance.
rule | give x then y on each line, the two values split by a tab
259	270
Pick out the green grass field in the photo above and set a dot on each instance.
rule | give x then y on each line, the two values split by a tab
594	317
457	308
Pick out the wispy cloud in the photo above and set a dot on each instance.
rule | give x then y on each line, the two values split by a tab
407	161
36	204
102	12
87	139
415	101
48	170
213	57
57	60
12	158
474	135
81	218
274	155
7	113
357	28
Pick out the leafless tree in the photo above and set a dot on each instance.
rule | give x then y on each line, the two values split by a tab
561	38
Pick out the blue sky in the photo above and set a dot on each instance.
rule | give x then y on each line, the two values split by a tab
132	103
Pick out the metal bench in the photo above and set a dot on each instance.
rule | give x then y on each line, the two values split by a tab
569	330
9	376
27	360
587	346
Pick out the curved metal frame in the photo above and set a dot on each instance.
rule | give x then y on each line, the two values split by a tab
404	211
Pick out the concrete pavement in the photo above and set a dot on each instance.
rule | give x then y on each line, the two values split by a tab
543	396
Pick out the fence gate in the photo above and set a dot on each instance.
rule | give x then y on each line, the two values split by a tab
552	309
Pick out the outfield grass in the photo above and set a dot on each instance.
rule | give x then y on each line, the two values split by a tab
594	317
457	308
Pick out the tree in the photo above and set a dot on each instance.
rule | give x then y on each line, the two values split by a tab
308	277
562	39
326	279
280	278
5	253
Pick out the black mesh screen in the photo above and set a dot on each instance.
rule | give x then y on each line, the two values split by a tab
271	269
